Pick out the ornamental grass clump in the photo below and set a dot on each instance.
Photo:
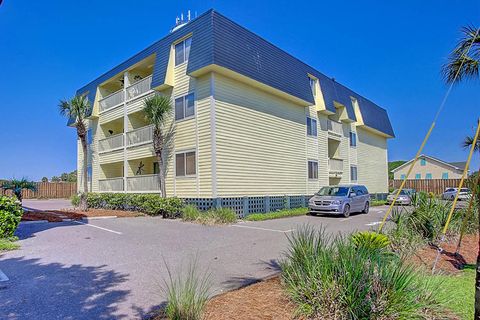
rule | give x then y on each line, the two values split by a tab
187	294
334	278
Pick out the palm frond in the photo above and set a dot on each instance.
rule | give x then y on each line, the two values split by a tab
157	109
468	141
77	108
463	62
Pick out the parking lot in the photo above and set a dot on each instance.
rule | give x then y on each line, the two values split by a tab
114	268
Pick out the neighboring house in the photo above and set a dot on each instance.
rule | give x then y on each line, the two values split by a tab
250	120
428	167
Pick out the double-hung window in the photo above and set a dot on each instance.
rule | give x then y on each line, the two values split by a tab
312	169
185	164
428	176
313	85
311	127
353	139
445	175
185	107
182	51
418	176
353	173
423	162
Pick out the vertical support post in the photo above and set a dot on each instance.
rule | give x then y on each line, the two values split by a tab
245	206
303	201
287	202
266	200
126	83
218	203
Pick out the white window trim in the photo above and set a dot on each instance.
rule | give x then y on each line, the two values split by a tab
350	139
185	59
186	176
308	164
356	173
184	107
316	127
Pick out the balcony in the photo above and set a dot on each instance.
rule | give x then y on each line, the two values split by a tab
111	143
335	128
140	136
112	184
111	101
139	88
335	167
148	182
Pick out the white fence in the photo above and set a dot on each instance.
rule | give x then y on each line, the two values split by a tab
139	87
111	100
148	182
112	184
140	135
335	165
110	143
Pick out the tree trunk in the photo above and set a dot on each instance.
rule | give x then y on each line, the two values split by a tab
83	195
19	196
158	144
477	275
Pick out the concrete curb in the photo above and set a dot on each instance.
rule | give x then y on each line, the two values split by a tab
34	222
99	218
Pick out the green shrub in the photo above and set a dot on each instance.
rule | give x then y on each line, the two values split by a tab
151	204
75	200
186	296
370	240
329	277
376	203
277	214
10	216
190	213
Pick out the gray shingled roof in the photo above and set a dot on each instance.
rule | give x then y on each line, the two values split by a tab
218	40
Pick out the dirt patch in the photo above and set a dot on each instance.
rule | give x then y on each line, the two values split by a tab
263	300
59	215
448	261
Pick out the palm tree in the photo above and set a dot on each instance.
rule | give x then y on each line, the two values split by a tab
157	110
78	108
463	64
18	185
464	61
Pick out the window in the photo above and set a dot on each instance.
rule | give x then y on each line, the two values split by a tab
418	176
403	176
156	168
445	175
182	51
185	107
89	136
185	164
423	162
89	173
353	173
428	176
311	127
313	85
312	170
353	139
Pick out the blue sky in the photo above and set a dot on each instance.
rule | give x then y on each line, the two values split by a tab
390	53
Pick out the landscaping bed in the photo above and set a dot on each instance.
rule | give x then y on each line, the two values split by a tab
448	262
262	300
59	215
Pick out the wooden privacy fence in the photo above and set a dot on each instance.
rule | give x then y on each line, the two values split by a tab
436	186
48	190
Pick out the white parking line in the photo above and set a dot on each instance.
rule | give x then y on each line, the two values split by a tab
264	229
345	219
373	223
94	226
3	276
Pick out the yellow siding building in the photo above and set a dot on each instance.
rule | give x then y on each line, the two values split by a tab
248	120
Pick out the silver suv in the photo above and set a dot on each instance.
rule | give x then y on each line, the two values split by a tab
342	199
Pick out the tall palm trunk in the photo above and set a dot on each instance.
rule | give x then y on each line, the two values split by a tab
158	146
82	134
477	275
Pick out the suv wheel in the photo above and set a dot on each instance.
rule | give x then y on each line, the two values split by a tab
367	207
452	197
346	211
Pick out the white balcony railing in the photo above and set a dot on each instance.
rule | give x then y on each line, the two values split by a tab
335	165
111	100
148	182
335	127
140	135
139	87
112	184
110	143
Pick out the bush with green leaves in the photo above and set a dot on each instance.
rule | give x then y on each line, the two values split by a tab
187	294
212	216
75	200
151	204
370	240
10	216
332	278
